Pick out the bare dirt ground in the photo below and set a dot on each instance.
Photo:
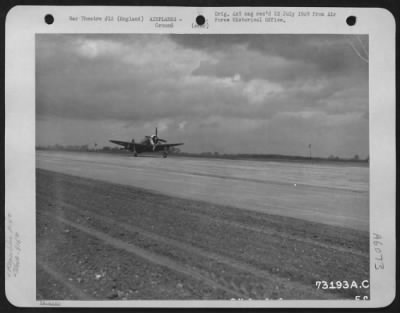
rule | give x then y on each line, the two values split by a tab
97	240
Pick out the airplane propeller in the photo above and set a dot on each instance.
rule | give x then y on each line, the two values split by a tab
159	139
154	140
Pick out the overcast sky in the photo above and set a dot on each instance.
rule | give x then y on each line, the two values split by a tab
272	94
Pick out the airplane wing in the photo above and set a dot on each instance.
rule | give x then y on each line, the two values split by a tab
121	143
126	144
163	145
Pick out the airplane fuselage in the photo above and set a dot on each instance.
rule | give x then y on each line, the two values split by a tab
148	144
143	147
145	141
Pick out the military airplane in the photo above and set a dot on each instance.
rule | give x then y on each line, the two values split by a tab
149	144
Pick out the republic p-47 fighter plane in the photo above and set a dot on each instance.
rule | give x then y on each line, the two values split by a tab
148	144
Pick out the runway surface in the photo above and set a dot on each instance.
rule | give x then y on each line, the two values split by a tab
330	194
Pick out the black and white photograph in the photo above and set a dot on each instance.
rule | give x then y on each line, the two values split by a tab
202	167
182	157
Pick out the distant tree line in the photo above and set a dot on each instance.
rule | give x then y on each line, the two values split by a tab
76	148
278	157
64	147
177	151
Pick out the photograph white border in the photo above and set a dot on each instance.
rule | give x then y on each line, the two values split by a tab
24	22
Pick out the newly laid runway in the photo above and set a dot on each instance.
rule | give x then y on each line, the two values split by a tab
331	194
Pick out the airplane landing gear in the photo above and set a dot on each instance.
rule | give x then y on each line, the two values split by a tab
133	147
